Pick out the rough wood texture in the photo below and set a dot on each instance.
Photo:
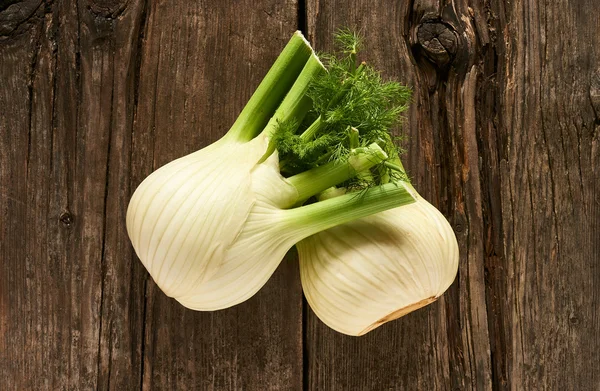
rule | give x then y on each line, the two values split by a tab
504	134
199	65
71	302
445	345
504	139
93	97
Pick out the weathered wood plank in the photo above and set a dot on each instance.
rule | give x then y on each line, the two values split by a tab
445	345
109	41
23	152
548	128
504	138
71	291
200	63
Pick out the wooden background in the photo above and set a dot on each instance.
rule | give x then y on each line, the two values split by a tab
504	139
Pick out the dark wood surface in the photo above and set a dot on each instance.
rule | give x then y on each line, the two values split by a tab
504	137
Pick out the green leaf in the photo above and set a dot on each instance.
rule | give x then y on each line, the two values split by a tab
347	96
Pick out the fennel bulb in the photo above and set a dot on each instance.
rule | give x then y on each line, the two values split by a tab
211	227
360	275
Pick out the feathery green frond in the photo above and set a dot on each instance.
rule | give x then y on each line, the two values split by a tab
348	96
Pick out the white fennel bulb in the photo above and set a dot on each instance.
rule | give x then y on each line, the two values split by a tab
360	275
211	227
190	220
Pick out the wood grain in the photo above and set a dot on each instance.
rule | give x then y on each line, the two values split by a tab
199	64
504	139
70	296
94	96
445	345
550	194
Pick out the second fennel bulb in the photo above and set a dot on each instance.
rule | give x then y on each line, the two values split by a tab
360	275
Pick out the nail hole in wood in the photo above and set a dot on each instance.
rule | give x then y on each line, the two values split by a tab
66	219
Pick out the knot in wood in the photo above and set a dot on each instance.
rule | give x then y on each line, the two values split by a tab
573	319
14	12
66	219
459	223
438	42
109	9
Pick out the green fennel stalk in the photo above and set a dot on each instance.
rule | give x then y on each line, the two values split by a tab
352	107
